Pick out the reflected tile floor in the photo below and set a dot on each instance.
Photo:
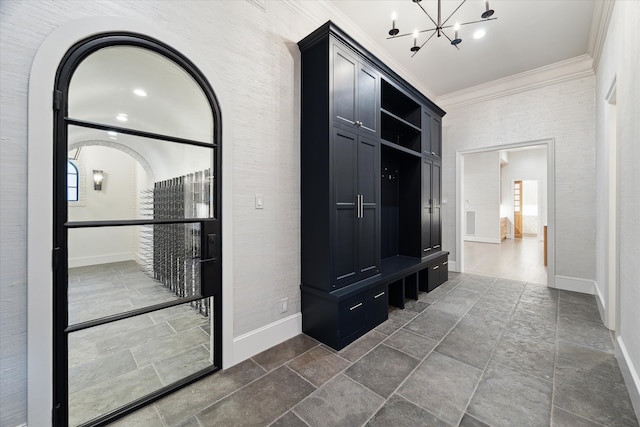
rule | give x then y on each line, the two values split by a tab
112	364
477	351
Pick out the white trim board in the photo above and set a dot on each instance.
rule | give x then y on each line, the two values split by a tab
630	374
600	304
575	284
256	341
482	239
100	259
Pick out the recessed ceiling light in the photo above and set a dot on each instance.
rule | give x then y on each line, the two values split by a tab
479	34
140	92
122	117
112	134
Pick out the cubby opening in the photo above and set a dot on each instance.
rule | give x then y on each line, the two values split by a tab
400	203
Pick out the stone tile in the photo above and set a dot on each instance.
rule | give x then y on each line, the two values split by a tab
138	337
97	400
594	395
588	334
260	402
289	420
189	422
362	345
441	385
340	402
100	369
400	315
505	290
547	309
478	283
532	325
433	323
458	301
284	352
435	294
183	364
579	311
318	365
188	321
168	346
416	306
197	396
382	369
506	397
147	416
562	418
390	326
576	297
413	344
469	421
570	354
399	412
491	309
526	354
542	292
472	341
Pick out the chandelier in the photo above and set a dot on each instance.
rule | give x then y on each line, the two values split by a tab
440	26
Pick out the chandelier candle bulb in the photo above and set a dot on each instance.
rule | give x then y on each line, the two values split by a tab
393	31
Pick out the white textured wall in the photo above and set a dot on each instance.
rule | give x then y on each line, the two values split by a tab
250	49
481	191
526	165
621	60
562	111
116	200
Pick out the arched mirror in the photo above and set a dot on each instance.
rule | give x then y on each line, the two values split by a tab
137	290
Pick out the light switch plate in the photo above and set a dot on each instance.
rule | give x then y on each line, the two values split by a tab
259	201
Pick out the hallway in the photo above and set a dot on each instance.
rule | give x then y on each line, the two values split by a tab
477	351
515	259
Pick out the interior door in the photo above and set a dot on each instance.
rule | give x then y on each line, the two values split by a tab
517	209
369	218
137	249
426	206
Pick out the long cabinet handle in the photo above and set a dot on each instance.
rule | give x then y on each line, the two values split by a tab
445	263
436	246
355	306
379	295
436	267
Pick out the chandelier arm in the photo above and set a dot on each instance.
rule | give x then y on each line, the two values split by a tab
425	42
475	22
453	13
410	34
425	12
454	45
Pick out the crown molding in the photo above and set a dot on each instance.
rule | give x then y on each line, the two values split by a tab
599	25
570	69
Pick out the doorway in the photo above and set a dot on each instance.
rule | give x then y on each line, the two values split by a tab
137	302
492	198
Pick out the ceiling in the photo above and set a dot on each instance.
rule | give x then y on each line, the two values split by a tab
527	34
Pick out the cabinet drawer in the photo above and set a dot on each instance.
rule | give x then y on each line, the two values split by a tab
353	318
378	309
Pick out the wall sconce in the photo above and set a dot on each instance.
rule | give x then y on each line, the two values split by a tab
97	180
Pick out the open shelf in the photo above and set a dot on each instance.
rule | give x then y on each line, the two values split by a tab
400	105
400	132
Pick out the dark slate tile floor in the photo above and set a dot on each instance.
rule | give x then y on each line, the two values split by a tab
477	351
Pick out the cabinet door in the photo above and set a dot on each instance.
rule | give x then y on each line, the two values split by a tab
344	183
436	217
436	136
367	108
368	222
345	72
427	209
427	120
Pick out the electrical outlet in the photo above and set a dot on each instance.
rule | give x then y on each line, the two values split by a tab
284	303
259	201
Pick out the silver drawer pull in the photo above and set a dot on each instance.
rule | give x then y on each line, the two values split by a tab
436	267
427	250
355	306
445	263
436	246
379	295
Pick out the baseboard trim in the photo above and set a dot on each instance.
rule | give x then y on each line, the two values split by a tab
100	259
630	374
575	284
600	304
261	339
482	239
